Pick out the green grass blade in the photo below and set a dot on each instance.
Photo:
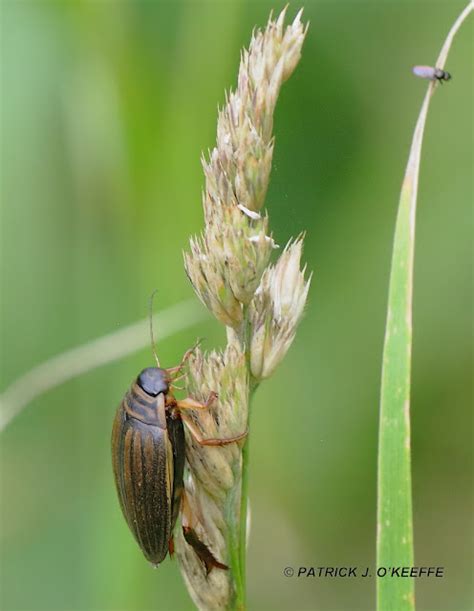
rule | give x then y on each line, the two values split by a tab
394	511
394	519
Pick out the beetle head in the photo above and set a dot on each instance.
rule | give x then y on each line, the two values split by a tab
154	380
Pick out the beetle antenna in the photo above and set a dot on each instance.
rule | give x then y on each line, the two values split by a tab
152	337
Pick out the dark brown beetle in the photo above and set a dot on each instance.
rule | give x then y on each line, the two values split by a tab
148	454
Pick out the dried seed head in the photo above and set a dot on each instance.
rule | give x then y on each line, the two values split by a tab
277	309
226	263
212	484
243	156
261	306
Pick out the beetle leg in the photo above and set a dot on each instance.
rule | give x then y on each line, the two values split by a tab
180	377
178	367
190	536
186	356
202	551
223	441
190	403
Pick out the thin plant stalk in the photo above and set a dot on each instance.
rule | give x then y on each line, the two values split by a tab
91	355
242	543
394	506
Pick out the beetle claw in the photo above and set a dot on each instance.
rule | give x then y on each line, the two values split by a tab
171	546
186	356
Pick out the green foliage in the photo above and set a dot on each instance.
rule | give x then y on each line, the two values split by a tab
394	511
104	114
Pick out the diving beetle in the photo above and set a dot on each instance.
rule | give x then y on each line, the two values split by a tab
148	455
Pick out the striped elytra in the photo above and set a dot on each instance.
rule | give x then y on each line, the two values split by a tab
148	462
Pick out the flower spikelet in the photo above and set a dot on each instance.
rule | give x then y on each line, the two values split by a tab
227	261
277	309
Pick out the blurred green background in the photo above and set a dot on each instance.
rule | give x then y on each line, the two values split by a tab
106	107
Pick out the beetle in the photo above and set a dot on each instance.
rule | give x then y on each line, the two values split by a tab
148	456
432	74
